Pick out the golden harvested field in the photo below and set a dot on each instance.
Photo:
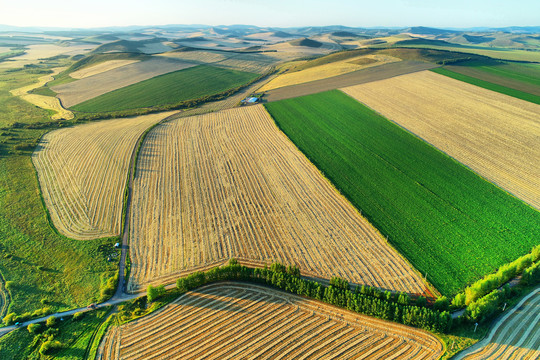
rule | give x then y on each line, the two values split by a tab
42	101
229	184
515	336
100	68
82	172
203	57
238	321
327	71
493	134
34	54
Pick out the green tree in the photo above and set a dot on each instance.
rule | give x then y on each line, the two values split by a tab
51	321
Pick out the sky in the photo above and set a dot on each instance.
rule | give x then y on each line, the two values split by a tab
275	13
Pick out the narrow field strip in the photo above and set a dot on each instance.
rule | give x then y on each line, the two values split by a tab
230	184
515	336
495	135
82	172
234	320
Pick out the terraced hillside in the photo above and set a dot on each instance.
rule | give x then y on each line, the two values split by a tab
493	134
516	336
82	172
230	184
231	321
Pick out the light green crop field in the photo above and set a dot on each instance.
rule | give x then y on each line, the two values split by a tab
449	222
192	83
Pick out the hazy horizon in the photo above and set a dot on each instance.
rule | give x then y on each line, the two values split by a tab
278	13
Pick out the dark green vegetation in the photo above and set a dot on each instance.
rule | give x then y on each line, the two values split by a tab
172	88
449	222
489	85
306	42
12	53
69	339
46	272
126	46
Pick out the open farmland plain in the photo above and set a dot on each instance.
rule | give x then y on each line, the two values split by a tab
100	68
81	90
229	184
449	222
515	336
233	320
491	133
187	84
82	172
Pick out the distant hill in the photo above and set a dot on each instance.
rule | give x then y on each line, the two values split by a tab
477	39
282	34
422	30
306	42
343	34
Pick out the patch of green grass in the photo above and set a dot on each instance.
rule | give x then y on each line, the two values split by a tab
39	263
44	90
175	87
488	85
75	336
446	220
529	73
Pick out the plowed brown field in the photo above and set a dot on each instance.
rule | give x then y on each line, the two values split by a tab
230	184
82	172
493	134
236	321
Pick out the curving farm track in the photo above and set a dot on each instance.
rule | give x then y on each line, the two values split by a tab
232	320
230	184
516	335
82	172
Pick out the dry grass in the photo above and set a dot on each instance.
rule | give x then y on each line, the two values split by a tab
230	184
327	71
493	134
82	172
41	51
42	101
237	321
100	68
516	336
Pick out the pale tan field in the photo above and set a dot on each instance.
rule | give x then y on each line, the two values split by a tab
230	184
100	68
81	90
495	135
326	71
516	336
239	321
42	101
4	49
202	57
82	172
41	51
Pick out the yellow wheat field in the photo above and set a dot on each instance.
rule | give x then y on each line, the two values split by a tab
82	172
493	134
42	101
516	336
100	68
326	71
230	184
237	321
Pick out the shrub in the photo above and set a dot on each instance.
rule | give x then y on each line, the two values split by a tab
9	319
78	315
9	285
152	293
34	328
421	301
441	304
49	346
51	321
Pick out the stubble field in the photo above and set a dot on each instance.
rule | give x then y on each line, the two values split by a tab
232	320
491	133
82	172
230	184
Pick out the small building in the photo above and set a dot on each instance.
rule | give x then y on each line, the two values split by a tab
250	100
117	245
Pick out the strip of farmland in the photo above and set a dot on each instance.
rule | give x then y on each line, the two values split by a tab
232	320
353	78
515	336
82	172
449	222
495	135
81	90
228	184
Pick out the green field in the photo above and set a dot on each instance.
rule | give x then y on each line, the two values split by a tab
36	262
175	87
529	73
444	218
76	337
488	85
